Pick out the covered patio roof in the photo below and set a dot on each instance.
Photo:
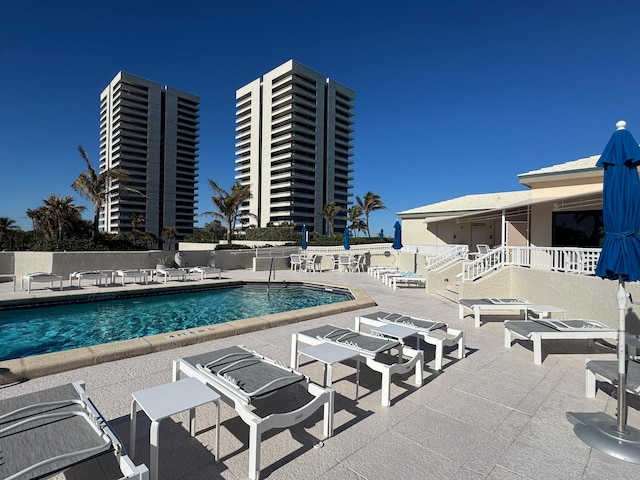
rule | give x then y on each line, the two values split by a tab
562	202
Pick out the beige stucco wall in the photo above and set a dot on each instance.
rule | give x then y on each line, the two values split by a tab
582	296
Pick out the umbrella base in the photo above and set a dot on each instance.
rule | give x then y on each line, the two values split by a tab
600	431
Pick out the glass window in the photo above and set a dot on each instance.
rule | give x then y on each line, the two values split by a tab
578	229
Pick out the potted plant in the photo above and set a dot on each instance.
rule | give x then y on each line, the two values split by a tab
164	261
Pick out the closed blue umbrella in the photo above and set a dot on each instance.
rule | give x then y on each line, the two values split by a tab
346	239
619	260
304	237
397	236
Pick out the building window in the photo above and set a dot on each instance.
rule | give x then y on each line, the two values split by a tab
578	229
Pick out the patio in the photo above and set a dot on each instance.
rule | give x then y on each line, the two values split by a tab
493	414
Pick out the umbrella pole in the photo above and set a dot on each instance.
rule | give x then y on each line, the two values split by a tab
622	358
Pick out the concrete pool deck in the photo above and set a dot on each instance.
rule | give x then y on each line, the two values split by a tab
493	414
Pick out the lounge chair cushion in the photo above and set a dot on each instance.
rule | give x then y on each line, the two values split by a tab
609	370
367	343
246	371
46	438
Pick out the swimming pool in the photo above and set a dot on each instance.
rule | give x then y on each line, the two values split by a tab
33	331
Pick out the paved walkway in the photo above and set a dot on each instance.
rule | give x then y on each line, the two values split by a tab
492	415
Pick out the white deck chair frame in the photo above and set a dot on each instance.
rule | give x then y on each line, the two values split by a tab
480	306
537	337
259	425
451	337
415	363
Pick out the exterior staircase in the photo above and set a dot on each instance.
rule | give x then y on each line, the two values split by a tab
451	292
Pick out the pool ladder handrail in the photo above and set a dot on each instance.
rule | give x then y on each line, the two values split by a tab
274	276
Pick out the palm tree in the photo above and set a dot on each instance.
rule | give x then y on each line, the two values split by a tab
7	225
56	217
353	216
168	235
370	202
228	203
329	212
93	186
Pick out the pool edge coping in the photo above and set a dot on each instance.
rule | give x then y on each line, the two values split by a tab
22	369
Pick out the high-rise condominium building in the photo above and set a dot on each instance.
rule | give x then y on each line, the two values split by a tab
151	131
294	141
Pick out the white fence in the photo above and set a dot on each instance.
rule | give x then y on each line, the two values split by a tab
582	261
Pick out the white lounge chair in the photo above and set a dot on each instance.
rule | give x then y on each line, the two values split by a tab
135	275
607	370
95	275
524	307
242	377
366	348
434	333
564	329
204	272
40	277
171	273
408	281
48	431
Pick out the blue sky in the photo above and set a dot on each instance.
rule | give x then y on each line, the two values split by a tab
452	97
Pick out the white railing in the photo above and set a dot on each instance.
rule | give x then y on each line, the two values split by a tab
582	261
451	256
364	248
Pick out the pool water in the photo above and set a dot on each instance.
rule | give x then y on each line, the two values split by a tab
33	331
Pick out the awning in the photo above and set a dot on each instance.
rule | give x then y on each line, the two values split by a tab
562	202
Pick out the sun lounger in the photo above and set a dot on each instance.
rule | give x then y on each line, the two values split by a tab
607	370
367	348
434	333
408	280
94	275
565	329
171	273
204	272
40	277
136	275
45	432
524	307
243	377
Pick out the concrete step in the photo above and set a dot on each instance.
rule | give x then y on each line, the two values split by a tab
450	293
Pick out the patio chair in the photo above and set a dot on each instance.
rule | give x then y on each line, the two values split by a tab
545	329
432	332
313	263
95	275
296	262
483	249
607	370
136	275
48	431
371	349
171	273
40	277
205	271
478	306
243	378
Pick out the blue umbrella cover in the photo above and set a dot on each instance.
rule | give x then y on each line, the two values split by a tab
346	239
304	237
397	236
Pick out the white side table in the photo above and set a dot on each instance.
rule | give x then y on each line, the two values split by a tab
330	353
166	400
397	332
